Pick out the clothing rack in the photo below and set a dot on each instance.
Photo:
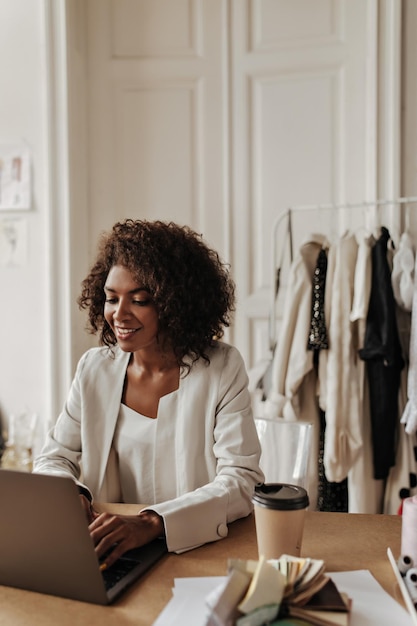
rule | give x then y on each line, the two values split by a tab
287	214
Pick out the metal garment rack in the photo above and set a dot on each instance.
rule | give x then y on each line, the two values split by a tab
287	214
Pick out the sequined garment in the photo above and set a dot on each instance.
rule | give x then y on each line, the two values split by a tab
317	338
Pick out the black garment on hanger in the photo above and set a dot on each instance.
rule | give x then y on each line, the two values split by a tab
384	361
332	497
317	337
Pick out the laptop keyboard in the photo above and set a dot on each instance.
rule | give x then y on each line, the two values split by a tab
117	571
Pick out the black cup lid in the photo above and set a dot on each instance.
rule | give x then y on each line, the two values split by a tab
280	496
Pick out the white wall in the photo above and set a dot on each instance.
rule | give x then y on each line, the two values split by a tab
23	300
31	344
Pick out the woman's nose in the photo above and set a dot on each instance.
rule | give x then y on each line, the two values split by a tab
121	311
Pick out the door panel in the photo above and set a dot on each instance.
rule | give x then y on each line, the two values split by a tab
157	113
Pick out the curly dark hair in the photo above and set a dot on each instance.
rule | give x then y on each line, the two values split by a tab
190	286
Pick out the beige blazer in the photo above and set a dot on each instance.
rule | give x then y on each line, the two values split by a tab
206	438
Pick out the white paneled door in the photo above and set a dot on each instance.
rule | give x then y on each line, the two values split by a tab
220	114
303	122
158	113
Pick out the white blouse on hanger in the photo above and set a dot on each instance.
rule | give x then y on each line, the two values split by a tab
365	493
409	417
294	392
341	397
402	277
292	361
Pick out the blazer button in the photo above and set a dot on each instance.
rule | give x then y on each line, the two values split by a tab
222	530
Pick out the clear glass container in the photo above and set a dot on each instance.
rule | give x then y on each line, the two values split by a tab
17	454
17	458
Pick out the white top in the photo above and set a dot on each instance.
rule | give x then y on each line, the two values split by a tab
134	444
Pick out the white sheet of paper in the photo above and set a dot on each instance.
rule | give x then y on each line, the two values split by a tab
187	606
371	604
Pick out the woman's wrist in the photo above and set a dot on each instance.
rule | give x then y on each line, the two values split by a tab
155	522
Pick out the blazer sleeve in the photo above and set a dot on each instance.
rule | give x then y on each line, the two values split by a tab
61	452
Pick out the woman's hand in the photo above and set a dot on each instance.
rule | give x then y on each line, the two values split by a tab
120	533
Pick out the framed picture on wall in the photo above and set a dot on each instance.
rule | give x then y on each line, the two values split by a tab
15	178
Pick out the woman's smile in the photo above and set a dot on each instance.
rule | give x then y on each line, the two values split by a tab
125	333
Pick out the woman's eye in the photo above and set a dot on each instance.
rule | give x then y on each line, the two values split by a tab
111	300
141	302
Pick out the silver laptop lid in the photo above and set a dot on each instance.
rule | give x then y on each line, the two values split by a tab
45	545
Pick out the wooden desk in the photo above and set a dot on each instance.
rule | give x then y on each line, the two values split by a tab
345	542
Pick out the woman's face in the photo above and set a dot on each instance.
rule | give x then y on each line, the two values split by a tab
129	311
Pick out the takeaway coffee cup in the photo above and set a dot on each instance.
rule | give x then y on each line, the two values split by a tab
279	518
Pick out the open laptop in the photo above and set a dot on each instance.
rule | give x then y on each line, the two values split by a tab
45	545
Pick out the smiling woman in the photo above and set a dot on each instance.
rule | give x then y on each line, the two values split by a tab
161	413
